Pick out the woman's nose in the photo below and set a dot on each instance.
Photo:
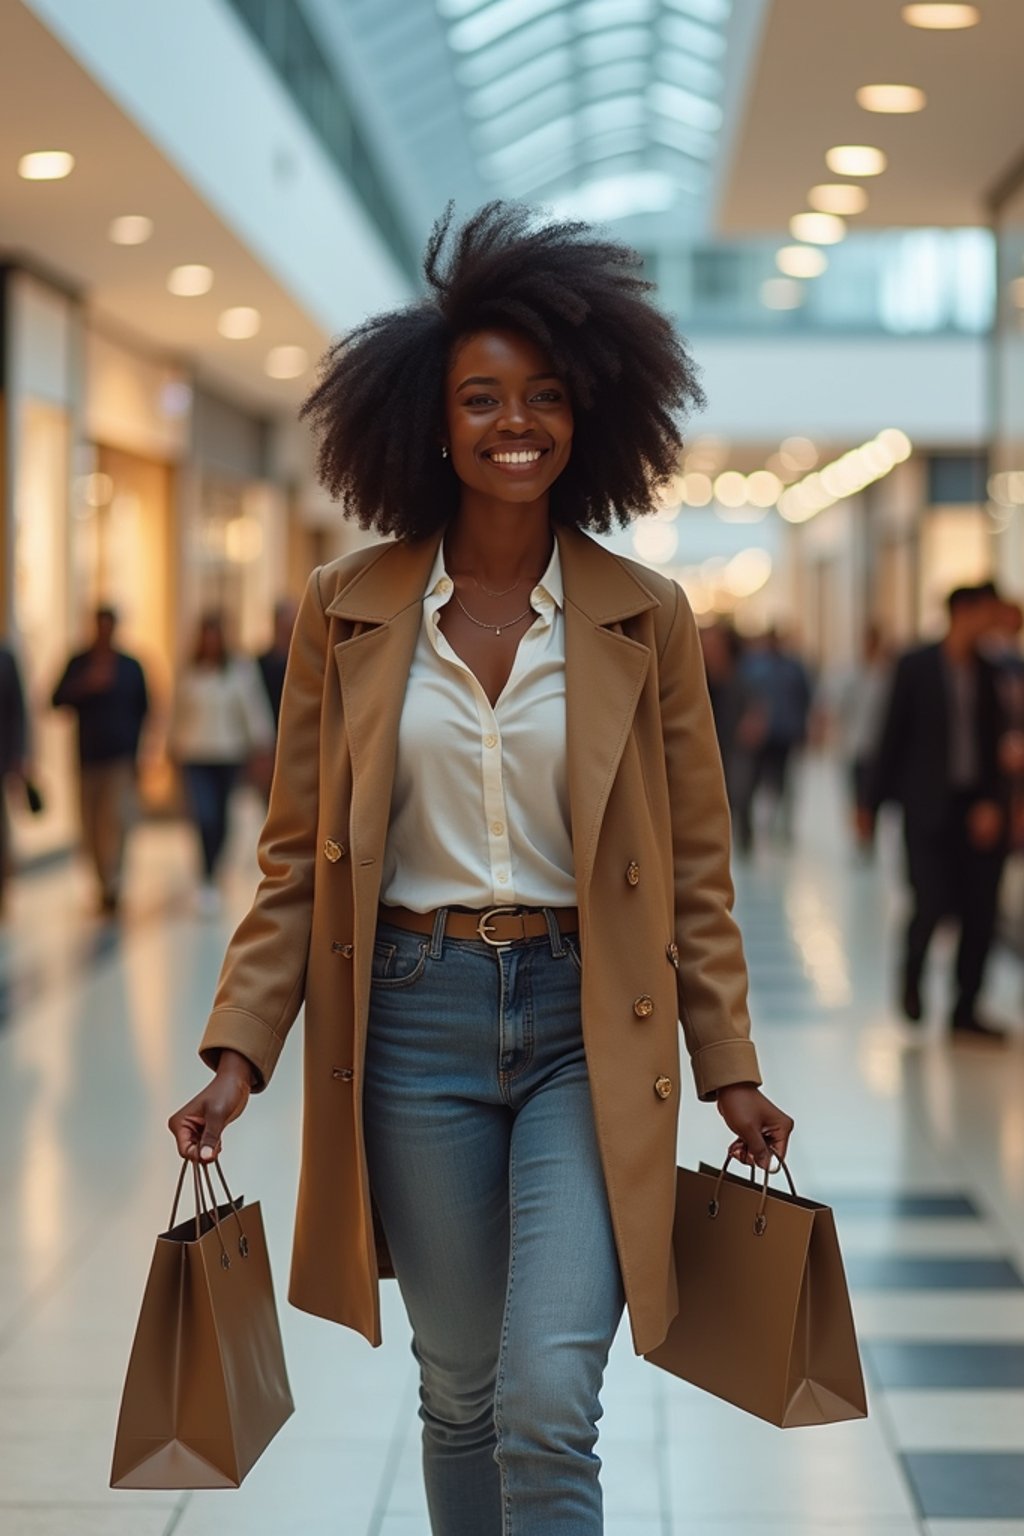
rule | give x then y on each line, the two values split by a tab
515	416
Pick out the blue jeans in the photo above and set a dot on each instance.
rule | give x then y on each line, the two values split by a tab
486	1173
208	788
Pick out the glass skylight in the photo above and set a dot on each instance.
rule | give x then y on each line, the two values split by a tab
555	89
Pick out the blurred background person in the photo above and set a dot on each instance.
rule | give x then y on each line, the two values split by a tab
220	722
939	760
857	705
107	691
739	722
272	664
13	736
781	685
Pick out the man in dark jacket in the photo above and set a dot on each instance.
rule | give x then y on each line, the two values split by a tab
107	690
939	760
12	746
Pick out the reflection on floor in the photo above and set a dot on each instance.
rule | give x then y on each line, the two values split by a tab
919	1145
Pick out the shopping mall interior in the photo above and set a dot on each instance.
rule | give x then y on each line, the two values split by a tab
828	200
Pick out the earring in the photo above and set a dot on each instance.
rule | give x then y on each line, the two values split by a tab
444	450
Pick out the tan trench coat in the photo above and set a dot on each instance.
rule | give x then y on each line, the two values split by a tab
650	831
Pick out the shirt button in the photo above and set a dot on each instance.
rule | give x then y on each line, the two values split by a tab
444	585
497	827
502	876
490	741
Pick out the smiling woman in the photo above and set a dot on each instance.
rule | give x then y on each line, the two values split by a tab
600	352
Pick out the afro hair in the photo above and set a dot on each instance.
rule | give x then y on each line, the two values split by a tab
581	299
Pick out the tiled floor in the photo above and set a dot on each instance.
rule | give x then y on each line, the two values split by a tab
919	1146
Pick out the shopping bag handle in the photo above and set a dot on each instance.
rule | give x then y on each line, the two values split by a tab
761	1219
204	1206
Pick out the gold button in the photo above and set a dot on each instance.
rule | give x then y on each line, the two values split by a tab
342	1074
672	950
444	586
490	741
644	1006
633	873
332	851
342	949
663	1087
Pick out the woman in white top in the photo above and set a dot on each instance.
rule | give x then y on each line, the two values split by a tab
221	720
496	867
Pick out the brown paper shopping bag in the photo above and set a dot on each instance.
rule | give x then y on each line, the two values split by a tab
764	1315
206	1389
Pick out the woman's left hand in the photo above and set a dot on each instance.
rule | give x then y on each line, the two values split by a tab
762	1130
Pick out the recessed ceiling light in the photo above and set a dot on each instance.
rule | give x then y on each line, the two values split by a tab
817	228
776	293
130	229
801	261
190	281
837	197
940	17
46	165
286	362
856	160
891	98
239	323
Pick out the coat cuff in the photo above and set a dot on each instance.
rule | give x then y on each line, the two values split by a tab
232	1029
726	1061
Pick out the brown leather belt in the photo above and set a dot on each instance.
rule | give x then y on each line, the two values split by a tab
497	926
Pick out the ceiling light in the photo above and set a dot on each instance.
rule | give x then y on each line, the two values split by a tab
747	572
655	542
891	98
817	228
801	261
286	362
838	197
856	160
240	323
189	281
897	442
798	453
130	229
940	17
46	165
697	489
731	489
763	488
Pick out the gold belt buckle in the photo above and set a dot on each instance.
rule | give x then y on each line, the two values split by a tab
483	925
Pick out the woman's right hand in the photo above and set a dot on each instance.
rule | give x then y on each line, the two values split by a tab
197	1127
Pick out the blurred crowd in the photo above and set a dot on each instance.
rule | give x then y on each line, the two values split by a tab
937	732
220	732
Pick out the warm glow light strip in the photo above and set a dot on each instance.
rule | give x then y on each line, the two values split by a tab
844	477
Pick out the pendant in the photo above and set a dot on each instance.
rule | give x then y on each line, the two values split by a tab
497	631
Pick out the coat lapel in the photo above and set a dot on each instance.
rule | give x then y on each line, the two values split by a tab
385	605
605	672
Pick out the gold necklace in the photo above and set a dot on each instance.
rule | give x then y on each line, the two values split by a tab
495	629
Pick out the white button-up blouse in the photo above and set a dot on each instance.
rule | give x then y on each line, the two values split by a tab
480	806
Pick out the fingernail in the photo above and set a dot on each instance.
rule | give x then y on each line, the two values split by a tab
206	1153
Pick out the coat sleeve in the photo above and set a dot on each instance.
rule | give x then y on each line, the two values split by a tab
263	978
712	970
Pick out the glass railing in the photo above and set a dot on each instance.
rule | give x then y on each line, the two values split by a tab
894	282
284	35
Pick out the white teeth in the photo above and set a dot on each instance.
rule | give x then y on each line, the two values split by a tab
530	457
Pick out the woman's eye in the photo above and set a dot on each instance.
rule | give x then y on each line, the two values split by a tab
480	400
548	396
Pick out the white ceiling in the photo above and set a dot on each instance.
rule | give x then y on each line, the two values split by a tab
50	102
800	101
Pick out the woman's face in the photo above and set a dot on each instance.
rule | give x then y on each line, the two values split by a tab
508	416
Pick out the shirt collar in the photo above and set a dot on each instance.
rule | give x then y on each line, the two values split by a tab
550	583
